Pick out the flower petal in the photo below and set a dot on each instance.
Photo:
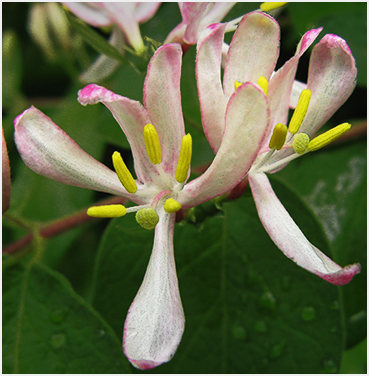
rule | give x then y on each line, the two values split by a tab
290	240
246	119
253	51
155	320
6	182
194	15
49	151
92	13
216	13
208	73
132	118
282	82
145	10
162	99
332	78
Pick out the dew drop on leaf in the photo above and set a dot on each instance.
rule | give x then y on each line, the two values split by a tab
277	350
59	315
239	332
57	340
308	313
267	300
329	367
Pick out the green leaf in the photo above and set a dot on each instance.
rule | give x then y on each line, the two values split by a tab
248	308
48	328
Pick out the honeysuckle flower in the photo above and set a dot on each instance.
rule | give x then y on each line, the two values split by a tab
162	155
126	15
251	58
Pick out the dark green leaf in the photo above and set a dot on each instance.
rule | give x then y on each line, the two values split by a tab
48	328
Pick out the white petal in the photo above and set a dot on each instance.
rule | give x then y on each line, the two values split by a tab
155	320
289	238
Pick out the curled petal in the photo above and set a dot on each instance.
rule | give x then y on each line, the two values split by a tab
132	117
145	10
217	12
162	99
208	73
253	51
290	240
49	151
5	176
194	13
332	78
155	320
246	119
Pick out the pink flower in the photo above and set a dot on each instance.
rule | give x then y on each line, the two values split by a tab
162	154
251	59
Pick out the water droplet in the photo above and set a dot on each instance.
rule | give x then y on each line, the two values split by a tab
286	283
333	329
101	333
260	326
239	332
57	340
329	367
277	350
59	315
267	300
308	313
335	305
357	317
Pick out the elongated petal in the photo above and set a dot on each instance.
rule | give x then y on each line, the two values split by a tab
90	12
195	13
247	117
253	51
282	82
332	78
144	11
290	240
216	13
155	320
209	85
162	99
49	151
132	118
6	182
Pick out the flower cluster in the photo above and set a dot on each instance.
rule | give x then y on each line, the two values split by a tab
244	117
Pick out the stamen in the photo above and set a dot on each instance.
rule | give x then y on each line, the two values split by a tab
123	173
328	137
107	211
237	85
300	111
278	137
152	143
172	205
184	159
263	83
269	5
147	218
300	143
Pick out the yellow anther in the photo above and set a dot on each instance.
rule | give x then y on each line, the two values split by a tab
123	173
184	159
147	218
328	137
300	111
107	211
263	83
300	143
278	137
172	205
267	6
237	85
152	143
